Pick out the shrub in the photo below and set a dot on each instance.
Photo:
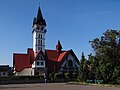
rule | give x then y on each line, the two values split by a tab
59	75
51	75
69	75
66	75
75	75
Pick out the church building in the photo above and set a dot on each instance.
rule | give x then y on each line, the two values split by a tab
41	61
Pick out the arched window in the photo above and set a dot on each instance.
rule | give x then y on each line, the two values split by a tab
70	63
38	48
38	42
41	43
39	35
41	48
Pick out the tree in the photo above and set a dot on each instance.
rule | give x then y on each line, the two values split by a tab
92	66
107	54
83	69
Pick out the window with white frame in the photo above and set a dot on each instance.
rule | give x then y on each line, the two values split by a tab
42	63
38	63
39	35
39	42
38	48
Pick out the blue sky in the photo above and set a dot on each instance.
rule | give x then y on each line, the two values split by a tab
74	22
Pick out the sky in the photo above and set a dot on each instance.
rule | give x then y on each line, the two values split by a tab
73	22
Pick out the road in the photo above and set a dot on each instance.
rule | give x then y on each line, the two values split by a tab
55	86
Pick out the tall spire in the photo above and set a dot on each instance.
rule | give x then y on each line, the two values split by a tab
39	14
39	19
58	46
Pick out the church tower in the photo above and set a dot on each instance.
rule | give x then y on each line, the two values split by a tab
38	32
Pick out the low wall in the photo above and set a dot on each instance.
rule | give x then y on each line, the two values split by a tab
31	79
21	80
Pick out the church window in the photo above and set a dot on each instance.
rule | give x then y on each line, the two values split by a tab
39	35
38	48
41	63
41	48
41	42
38	42
38	63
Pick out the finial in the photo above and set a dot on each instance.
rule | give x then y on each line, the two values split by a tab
58	46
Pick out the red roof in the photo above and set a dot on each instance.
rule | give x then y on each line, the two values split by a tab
58	46
22	61
54	55
54	58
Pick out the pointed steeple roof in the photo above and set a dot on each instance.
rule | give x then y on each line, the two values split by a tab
58	46
39	14
39	19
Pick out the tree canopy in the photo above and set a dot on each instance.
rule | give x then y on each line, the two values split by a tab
105	63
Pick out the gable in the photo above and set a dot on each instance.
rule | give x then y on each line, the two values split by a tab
40	56
22	61
69	57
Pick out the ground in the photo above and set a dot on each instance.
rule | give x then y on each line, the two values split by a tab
55	86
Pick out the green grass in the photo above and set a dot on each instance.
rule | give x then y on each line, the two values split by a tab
84	83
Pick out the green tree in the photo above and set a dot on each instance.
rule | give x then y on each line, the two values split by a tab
92	66
83	69
107	54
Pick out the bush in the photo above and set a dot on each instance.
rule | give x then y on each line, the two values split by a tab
51	75
59	75
75	75
68	75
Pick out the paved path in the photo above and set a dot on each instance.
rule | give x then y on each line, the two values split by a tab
55	86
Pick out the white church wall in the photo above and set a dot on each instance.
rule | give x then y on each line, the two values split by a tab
25	72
